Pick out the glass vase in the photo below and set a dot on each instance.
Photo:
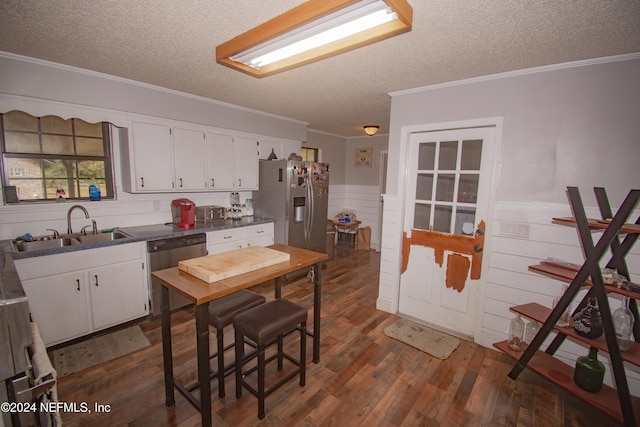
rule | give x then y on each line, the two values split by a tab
566	314
530	331
589	371
516	334
588	322
623	324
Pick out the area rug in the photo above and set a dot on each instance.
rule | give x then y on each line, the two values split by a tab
423	338
80	356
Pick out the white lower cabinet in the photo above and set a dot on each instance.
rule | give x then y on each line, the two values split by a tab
58	304
241	237
77	293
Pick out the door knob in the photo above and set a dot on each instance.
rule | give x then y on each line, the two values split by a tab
478	248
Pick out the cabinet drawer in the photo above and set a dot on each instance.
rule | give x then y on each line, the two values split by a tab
224	236
258	230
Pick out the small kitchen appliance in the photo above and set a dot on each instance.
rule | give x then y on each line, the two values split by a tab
183	212
210	213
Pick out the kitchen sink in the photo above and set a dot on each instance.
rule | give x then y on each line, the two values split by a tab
102	237
38	245
47	242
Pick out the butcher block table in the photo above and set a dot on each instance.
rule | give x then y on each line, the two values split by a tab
200	292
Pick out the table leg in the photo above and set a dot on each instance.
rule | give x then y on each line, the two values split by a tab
278	289
202	343
317	296
165	320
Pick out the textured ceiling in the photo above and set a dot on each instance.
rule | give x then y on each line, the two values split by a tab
172	43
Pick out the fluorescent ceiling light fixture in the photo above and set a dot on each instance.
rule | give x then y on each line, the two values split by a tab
312	31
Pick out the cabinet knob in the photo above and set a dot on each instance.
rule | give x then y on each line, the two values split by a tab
78	283
142	182
213	182
96	277
180	182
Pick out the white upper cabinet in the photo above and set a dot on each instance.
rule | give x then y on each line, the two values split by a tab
190	162
163	158
220	162
246	160
151	167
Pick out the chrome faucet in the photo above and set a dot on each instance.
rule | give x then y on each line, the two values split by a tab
82	208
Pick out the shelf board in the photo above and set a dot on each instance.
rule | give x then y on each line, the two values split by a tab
561	374
540	314
598	224
567	274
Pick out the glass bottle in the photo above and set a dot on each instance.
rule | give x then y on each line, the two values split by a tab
516	333
588	322
589	372
530	331
566	314
623	324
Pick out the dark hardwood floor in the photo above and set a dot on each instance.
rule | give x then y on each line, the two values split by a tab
363	378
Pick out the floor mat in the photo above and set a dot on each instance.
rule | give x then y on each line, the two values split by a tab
80	356
435	343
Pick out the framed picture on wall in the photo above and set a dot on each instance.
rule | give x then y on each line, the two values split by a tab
363	157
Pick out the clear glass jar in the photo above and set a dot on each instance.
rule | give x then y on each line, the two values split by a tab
566	314
623	324
531	330
516	334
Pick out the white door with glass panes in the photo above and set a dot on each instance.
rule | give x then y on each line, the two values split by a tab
446	205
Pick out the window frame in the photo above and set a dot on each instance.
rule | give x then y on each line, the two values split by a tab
106	159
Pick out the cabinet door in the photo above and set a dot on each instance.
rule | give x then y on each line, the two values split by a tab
220	162
117	293
189	156
58	304
246	164
153	162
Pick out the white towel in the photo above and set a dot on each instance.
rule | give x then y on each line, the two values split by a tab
42	368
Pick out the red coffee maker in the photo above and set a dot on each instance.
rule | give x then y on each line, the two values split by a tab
183	212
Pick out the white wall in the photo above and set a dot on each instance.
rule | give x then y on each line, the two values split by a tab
41	88
568	125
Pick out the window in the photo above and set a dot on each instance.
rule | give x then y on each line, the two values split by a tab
49	157
309	154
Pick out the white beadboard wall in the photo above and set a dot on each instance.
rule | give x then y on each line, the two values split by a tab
364	200
508	281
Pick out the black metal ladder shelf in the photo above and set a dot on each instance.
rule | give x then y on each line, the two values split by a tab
589	274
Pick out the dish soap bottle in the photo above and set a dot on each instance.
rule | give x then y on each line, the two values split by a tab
94	192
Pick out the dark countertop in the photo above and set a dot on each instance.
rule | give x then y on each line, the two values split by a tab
11	289
142	233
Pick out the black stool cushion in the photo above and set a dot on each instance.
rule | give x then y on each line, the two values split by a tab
222	310
263	323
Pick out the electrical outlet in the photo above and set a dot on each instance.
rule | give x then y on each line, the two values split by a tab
514	229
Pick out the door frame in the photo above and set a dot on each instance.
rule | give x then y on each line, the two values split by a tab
405	147
382	179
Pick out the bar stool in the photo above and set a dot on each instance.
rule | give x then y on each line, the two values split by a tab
265	325
221	313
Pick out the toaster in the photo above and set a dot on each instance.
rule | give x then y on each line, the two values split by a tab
210	213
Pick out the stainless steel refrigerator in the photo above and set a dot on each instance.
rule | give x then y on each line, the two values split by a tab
295	194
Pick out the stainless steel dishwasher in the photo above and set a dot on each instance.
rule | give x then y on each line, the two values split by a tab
166	253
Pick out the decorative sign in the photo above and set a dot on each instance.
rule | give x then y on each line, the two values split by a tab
363	157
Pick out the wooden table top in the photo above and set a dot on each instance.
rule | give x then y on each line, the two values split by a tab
201	292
